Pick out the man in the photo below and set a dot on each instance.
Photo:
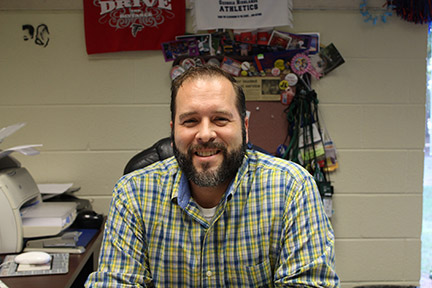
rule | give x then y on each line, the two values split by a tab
28	32
216	215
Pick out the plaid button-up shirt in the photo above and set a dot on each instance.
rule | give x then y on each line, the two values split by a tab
269	230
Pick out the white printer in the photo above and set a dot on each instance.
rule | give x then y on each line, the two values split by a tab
23	214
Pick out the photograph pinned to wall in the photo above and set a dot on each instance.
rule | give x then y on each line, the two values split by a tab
263	36
299	41
327	59
175	49
248	36
231	66
279	39
204	42
252	41
314	45
260	88
270	86
253	36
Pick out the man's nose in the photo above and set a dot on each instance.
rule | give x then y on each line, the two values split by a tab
206	132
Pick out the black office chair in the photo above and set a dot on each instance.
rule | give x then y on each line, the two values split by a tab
161	150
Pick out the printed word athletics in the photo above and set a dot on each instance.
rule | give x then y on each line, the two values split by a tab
238	5
237	2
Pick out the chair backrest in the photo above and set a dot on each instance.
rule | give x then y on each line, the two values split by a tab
161	150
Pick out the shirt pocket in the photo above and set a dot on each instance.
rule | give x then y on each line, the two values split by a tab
259	275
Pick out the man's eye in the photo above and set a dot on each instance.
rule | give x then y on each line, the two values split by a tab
189	122
221	120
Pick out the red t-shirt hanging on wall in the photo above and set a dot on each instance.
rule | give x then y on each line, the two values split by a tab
129	25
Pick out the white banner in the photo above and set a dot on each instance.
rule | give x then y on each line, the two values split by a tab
241	14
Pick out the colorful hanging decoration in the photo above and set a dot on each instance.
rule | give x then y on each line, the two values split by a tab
373	18
416	11
301	64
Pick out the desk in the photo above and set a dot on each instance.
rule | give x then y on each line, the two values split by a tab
80	266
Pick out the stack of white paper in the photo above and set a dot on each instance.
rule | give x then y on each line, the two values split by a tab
51	190
27	150
47	219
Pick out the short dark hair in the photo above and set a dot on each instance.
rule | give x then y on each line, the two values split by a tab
30	29
203	72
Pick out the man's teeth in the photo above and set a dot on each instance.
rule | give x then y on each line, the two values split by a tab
206	153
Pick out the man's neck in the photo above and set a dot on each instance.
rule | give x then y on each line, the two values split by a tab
208	197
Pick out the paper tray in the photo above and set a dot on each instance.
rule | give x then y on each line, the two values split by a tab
47	219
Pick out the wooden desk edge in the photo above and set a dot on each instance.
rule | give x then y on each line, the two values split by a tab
77	261
76	264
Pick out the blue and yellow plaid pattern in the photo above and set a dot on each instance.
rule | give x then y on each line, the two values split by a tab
269	230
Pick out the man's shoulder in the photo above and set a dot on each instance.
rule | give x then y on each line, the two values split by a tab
262	163
267	161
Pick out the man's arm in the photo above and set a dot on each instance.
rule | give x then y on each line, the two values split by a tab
123	261
307	255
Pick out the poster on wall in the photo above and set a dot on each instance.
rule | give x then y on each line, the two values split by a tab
260	88
112	26
241	14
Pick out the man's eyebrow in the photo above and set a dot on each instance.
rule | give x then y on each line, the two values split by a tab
186	115
219	112
226	113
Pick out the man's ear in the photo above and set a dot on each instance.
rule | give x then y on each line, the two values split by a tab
172	135
246	123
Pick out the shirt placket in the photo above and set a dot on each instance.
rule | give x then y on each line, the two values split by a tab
212	260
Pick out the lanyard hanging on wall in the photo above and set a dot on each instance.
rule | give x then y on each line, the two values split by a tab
306	141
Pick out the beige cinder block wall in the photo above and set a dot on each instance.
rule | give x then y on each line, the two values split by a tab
93	113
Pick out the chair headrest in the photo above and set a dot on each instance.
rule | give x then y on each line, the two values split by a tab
159	151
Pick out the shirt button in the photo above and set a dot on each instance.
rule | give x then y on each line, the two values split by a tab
209	273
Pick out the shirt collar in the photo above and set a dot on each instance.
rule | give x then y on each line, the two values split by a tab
183	192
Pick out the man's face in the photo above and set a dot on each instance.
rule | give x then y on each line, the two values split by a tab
208	131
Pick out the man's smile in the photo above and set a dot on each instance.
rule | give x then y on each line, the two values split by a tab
207	153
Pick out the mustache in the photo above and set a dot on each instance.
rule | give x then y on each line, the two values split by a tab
207	145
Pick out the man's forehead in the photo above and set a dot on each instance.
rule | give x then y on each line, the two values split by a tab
219	83
185	95
205	77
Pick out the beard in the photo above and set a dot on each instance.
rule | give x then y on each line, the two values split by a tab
208	178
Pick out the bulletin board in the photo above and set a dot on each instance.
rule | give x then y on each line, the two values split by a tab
267	124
